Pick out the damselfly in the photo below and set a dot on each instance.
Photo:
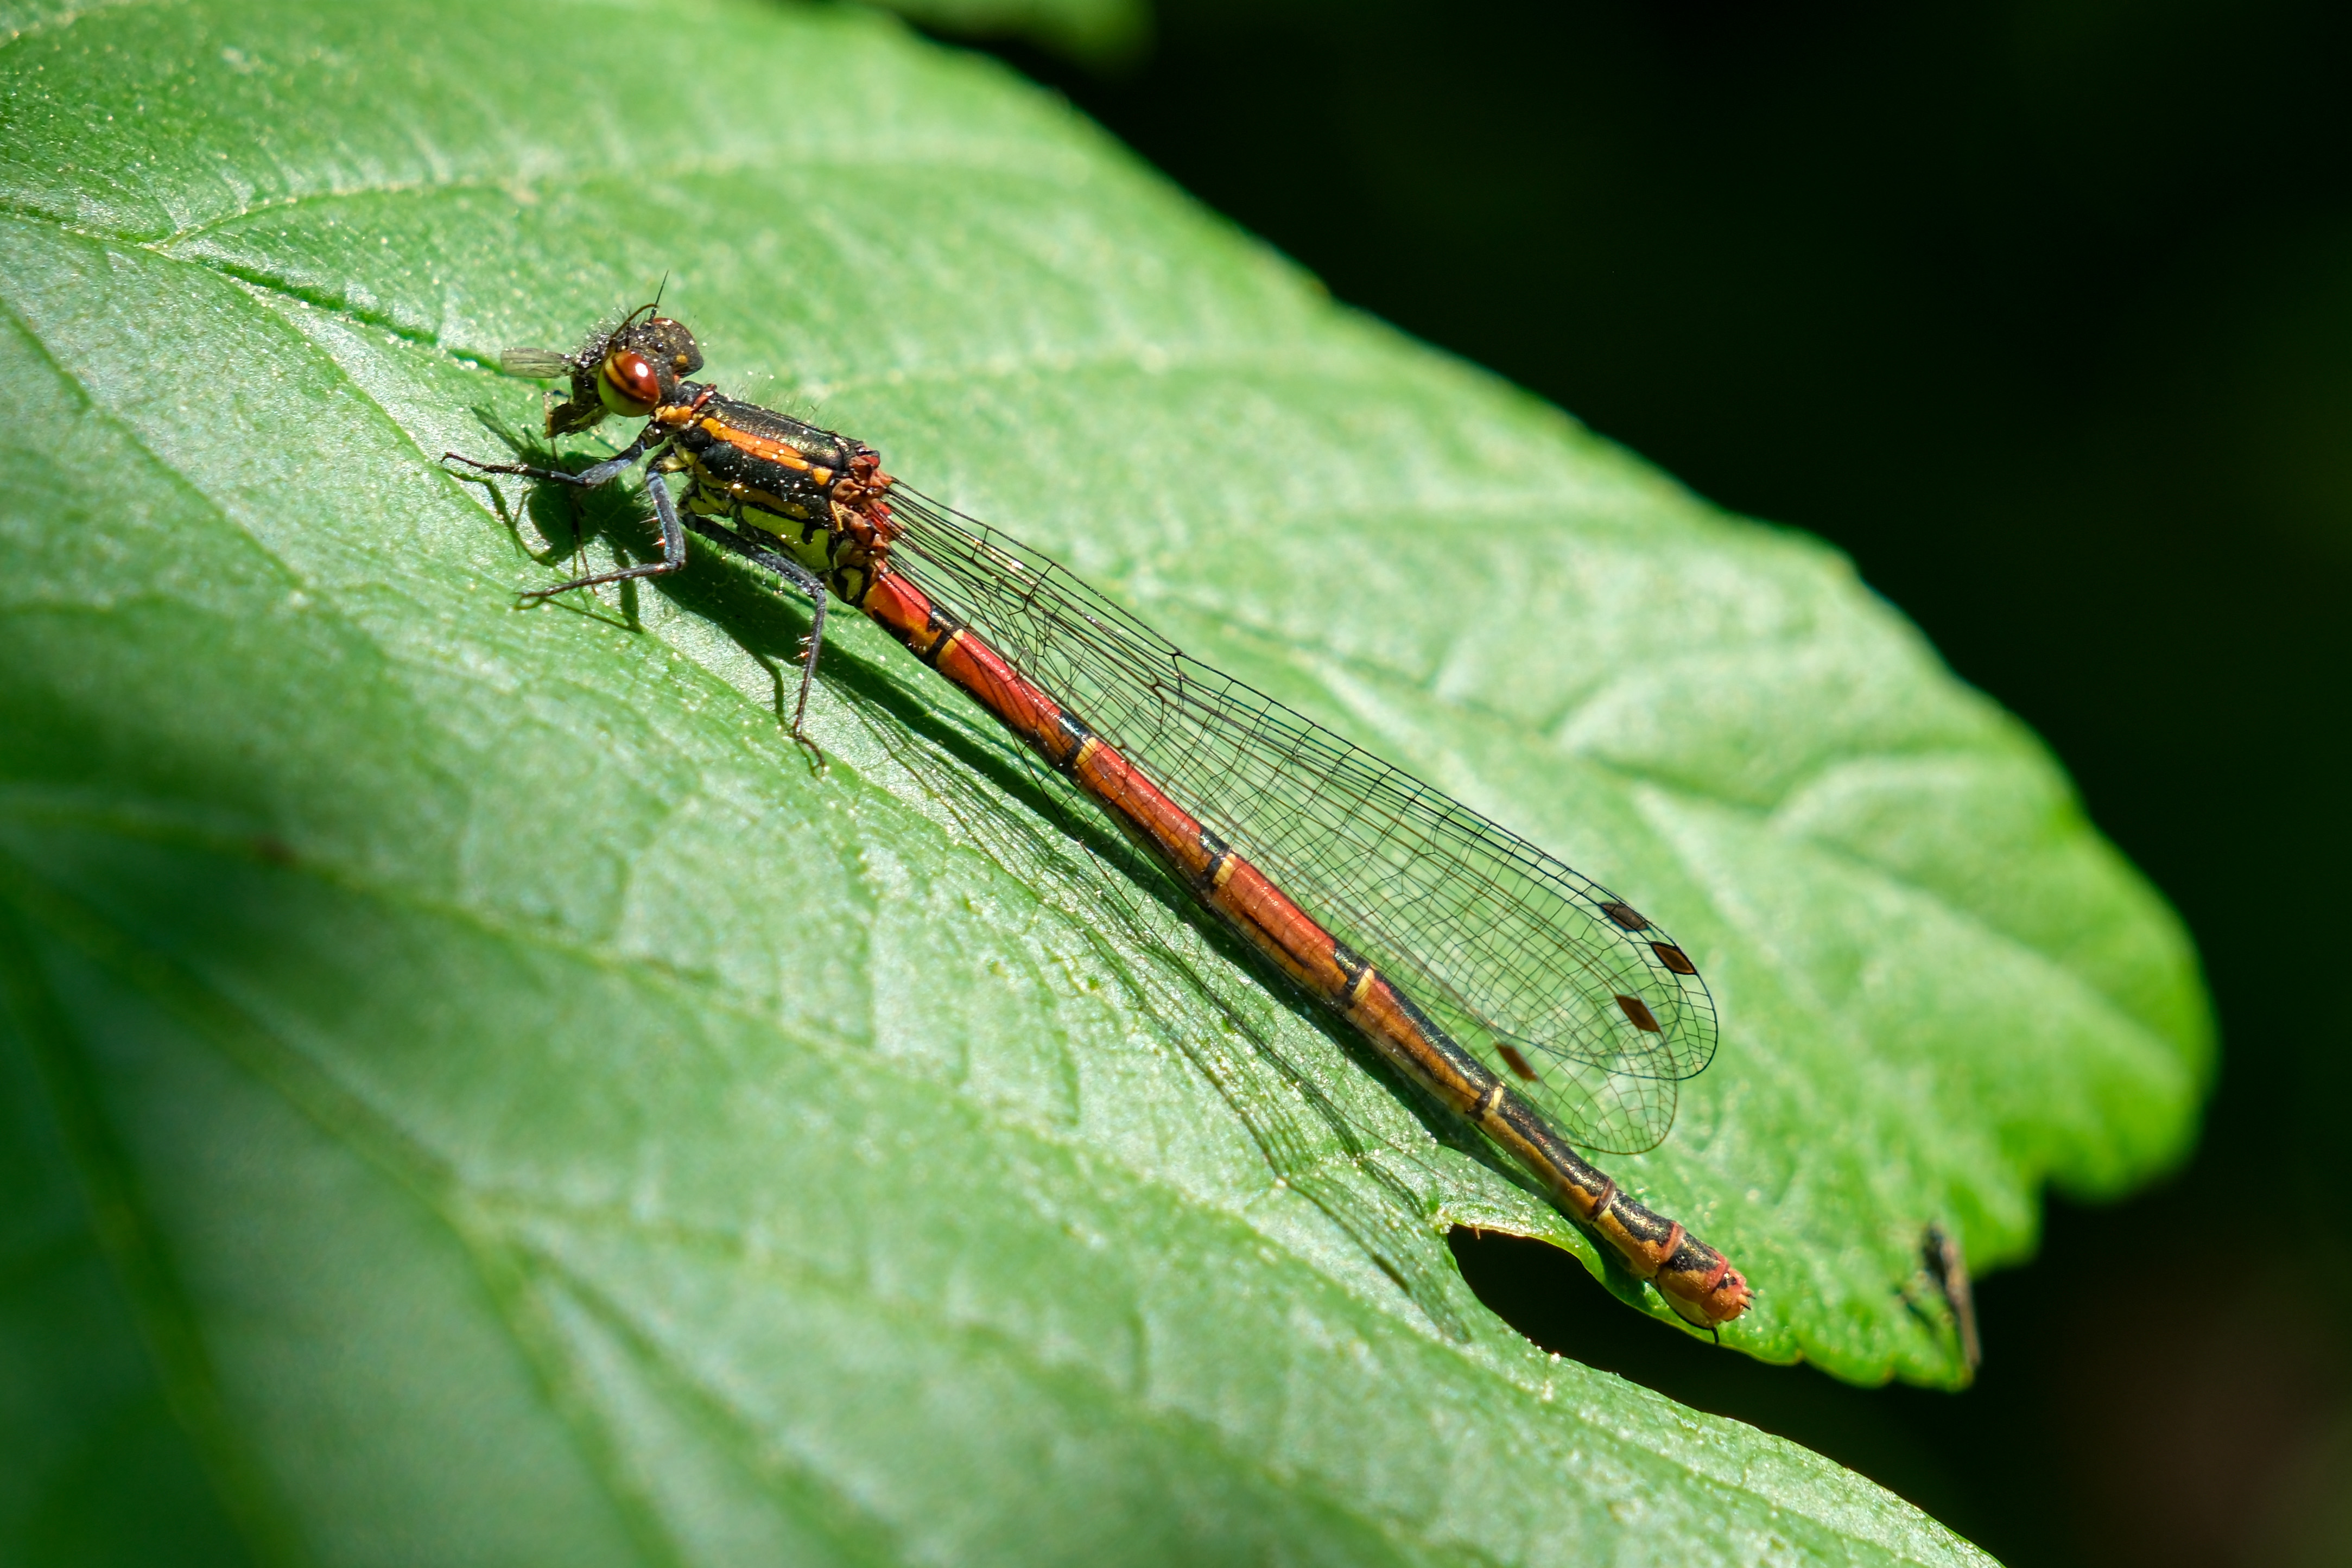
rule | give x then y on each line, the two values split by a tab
1536	1004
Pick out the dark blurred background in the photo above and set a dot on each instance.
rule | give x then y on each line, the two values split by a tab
2043	312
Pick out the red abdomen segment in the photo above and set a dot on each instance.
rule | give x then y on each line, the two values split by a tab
1696	1280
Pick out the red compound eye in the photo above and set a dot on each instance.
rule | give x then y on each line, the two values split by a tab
629	384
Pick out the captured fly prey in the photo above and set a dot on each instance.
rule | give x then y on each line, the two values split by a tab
1537	1005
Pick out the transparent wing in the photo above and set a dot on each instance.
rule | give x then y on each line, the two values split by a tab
534	364
1571	996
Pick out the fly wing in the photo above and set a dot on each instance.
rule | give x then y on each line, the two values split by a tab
1563	989
534	364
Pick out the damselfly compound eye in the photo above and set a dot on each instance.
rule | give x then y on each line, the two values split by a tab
629	385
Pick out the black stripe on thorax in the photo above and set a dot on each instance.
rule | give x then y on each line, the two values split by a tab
729	463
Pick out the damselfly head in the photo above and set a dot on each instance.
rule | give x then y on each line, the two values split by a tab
643	362
630	370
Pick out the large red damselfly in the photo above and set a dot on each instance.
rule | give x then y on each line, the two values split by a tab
1532	1002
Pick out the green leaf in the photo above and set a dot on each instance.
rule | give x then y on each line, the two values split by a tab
475	1094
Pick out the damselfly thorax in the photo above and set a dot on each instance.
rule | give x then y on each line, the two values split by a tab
820	496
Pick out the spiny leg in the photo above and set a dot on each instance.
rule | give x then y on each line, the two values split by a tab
798	576
673	556
673	534
673	531
587	478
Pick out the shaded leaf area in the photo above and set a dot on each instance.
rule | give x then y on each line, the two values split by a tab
478	1086
1098	32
